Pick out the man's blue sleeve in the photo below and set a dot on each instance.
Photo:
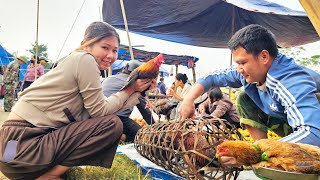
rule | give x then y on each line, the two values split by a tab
222	78
296	92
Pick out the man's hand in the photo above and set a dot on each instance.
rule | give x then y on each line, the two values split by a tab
186	109
229	161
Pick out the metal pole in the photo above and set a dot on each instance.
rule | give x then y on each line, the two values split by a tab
127	29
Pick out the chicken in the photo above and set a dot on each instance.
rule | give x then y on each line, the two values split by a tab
285	156
195	145
148	70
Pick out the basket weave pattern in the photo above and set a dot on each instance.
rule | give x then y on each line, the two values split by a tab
188	148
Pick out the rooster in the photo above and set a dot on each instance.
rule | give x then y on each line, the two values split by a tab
148	70
302	158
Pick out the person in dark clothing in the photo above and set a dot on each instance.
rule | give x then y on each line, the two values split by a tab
113	84
161	86
219	105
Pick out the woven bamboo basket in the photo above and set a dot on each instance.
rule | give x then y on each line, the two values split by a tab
187	148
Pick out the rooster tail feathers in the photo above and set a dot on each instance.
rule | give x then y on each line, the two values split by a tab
133	76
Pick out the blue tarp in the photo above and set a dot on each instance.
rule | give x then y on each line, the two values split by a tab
209	23
143	56
5	57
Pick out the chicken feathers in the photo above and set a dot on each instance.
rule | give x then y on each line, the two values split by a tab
148	70
285	156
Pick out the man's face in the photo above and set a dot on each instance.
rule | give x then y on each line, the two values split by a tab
253	69
42	62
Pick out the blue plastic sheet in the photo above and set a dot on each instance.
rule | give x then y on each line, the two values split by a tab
209	23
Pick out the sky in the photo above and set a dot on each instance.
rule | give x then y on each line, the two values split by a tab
18	22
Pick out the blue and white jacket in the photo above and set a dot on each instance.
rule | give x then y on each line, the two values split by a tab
289	95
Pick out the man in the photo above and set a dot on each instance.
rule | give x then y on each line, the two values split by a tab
219	106
11	81
161	86
112	85
278	93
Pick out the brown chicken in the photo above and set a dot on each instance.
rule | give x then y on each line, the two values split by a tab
285	156
196	144
148	70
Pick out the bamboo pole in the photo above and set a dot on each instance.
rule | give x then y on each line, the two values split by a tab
176	69
232	32
312	8
37	47
194	74
127	29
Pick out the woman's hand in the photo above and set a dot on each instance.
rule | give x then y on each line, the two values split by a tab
201	109
170	91
138	85
141	84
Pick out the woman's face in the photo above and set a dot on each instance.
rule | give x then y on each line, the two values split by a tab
105	51
178	83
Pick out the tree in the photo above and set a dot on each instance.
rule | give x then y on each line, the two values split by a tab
311	62
42	50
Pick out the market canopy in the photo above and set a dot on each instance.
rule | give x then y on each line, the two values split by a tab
209	23
144	56
5	56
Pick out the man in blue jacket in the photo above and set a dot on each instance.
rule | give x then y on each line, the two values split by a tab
278	93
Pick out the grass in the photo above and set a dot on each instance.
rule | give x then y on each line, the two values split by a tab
122	168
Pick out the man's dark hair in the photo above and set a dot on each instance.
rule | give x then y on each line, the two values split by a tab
161	79
254	38
215	93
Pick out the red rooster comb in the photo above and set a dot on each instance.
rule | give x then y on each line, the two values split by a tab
159	60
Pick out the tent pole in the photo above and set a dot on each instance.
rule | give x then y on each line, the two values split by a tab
232	32
37	47
194	74
176	69
312	9
127	29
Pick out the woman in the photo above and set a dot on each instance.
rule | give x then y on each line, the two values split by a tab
181	82
30	76
63	119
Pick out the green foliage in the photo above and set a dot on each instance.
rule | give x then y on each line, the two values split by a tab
295	53
42	50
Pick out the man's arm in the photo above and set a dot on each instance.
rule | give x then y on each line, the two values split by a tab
221	78
296	92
